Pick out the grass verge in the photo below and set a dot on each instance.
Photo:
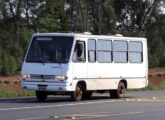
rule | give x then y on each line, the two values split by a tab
10	93
158	87
151	87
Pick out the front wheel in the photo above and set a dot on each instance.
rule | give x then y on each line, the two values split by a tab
77	94
41	95
119	93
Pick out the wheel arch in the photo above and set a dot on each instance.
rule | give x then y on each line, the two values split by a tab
125	82
83	84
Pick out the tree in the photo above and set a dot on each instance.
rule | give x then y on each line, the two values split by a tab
102	15
52	17
156	43
133	15
75	19
19	19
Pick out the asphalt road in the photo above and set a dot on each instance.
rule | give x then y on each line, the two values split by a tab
148	105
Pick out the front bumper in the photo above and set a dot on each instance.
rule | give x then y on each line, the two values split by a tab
63	87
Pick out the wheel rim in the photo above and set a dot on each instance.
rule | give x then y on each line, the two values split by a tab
78	93
121	90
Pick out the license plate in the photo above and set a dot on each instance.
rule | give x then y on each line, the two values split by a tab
42	87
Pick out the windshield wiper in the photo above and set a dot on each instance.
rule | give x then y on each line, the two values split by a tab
42	61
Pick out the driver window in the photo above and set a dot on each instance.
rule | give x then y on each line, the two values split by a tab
79	52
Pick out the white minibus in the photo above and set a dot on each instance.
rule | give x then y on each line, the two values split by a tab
80	64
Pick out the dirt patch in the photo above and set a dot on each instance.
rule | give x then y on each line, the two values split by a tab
156	76
11	78
156	80
13	82
157	71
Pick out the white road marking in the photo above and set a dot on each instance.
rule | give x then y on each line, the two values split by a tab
59	105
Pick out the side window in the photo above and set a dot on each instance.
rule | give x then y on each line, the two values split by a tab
104	51
79	52
135	52
120	51
92	50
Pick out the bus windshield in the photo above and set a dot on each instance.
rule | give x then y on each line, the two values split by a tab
50	49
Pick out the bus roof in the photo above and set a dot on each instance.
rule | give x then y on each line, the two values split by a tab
84	35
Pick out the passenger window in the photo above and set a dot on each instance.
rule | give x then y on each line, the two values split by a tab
79	52
91	50
120	51
135	52
104	51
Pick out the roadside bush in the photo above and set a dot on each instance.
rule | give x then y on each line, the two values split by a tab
150	75
1	64
6	81
150	87
9	65
155	87
161	86
159	75
1	81
16	82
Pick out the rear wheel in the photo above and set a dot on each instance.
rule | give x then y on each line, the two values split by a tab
77	94
41	95
119	93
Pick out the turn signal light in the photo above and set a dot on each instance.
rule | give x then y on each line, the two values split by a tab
62	77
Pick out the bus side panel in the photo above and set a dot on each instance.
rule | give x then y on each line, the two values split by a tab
108	75
105	76
101	84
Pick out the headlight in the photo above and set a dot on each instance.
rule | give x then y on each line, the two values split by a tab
25	76
62	77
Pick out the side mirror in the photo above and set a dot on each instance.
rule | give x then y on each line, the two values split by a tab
78	48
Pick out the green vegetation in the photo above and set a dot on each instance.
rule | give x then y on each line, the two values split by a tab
19	19
151	87
154	87
9	93
1	81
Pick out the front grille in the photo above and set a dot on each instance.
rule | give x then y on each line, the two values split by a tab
42	77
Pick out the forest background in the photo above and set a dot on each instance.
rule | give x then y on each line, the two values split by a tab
19	19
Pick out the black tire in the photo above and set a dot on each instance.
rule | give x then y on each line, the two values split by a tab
41	95
87	95
77	94
119	93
